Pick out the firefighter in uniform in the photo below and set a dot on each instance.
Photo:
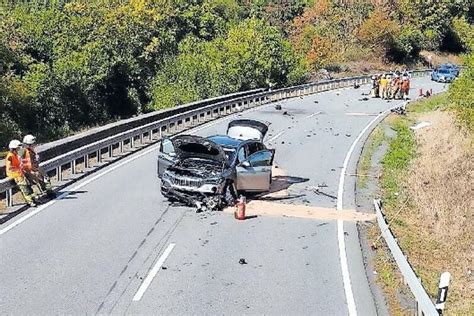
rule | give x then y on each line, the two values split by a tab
31	168
14	171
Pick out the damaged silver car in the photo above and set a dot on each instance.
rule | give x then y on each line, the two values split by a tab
209	172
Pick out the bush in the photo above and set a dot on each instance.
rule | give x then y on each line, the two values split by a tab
253	54
461	93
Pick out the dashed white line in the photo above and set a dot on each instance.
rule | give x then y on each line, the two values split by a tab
361	114
314	114
151	275
276	136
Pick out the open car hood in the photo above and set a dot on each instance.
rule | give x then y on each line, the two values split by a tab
247	129
190	146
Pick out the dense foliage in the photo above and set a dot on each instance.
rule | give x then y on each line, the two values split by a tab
73	64
461	92
66	65
329	32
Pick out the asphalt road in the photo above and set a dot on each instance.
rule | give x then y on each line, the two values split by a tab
89	252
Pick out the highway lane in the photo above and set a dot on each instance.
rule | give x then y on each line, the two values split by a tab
89	252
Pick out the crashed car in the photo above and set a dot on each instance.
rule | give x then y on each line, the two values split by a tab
209	172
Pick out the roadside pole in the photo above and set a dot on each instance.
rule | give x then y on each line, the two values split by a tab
442	291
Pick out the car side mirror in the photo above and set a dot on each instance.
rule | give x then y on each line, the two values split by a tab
245	164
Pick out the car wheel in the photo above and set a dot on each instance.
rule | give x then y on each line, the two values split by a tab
229	198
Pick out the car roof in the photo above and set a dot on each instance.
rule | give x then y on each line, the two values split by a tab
226	141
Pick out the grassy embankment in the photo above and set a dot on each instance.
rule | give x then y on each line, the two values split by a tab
425	184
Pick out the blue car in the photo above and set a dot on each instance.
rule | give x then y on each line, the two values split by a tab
452	68
443	75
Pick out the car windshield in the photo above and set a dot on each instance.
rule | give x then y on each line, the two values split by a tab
444	71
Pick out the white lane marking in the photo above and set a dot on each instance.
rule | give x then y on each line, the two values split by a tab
314	114
361	114
146	283
77	187
276	136
340	225
351	306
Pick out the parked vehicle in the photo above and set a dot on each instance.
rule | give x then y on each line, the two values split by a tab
452	68
210	171
442	75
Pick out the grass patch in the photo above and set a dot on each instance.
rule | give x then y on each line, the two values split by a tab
396	161
387	273
374	141
436	102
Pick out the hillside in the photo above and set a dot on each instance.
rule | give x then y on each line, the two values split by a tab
70	65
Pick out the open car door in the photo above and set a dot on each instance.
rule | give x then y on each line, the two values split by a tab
166	156
247	129
255	173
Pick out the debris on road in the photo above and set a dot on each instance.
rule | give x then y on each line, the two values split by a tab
242	261
315	101
401	110
348	135
420	125
319	192
278	107
356	86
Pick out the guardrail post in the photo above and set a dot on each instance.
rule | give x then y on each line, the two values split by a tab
9	197
59	173
99	156
86	161
110	151
141	138
73	166
150	135
132	142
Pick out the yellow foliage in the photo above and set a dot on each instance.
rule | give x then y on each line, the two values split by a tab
323	52
378	30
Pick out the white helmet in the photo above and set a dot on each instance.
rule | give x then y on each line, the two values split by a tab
29	140
14	144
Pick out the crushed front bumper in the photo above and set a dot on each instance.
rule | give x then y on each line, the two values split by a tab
209	194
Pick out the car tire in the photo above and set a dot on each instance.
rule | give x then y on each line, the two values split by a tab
228	198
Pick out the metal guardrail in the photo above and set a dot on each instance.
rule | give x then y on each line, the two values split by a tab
424	303
192	115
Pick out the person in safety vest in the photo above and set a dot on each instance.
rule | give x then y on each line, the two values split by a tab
31	167
14	171
384	86
405	87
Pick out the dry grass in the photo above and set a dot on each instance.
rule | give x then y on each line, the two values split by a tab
439	58
439	184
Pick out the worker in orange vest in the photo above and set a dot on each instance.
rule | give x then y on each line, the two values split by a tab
14	170
31	167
